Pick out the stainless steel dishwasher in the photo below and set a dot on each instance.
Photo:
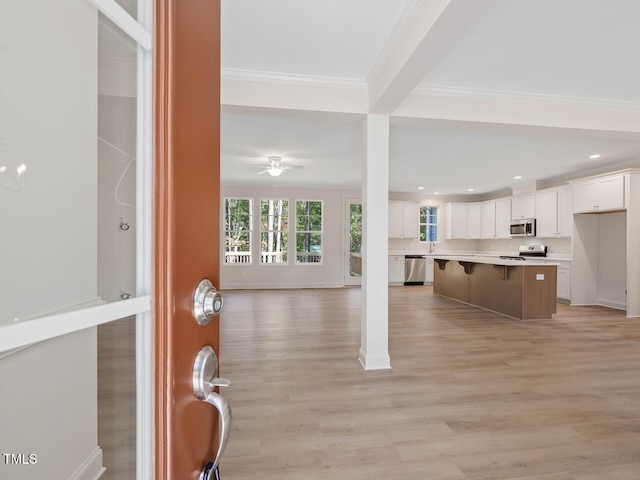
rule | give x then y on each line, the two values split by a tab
414	269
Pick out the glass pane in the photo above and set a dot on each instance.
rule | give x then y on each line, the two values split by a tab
117	398
355	239
274	247
67	143
131	7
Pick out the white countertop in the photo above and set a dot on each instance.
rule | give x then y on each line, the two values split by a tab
551	257
496	260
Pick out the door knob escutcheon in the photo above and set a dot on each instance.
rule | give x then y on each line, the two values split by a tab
207	302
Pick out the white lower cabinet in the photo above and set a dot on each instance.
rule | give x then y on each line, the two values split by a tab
564	282
396	269
428	274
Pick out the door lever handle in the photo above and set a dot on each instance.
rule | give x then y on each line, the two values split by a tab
218	382
225	423
205	380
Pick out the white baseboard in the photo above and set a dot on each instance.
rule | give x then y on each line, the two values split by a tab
369	362
91	468
277	286
611	304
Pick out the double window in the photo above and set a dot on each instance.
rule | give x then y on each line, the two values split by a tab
274	231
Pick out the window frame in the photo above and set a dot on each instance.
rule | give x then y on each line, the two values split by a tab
285	231
226	231
427	223
321	232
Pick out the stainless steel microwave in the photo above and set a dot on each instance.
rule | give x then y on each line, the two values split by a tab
524	227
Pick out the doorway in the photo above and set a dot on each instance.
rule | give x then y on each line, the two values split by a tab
353	242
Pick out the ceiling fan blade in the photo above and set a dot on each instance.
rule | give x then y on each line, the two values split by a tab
264	171
289	167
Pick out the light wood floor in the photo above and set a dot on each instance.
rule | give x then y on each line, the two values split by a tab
471	395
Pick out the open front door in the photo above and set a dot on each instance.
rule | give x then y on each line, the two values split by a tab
188	430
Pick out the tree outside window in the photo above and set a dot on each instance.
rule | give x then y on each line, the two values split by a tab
274	227
308	231
237	227
428	224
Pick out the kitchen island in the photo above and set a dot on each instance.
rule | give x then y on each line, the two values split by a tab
523	289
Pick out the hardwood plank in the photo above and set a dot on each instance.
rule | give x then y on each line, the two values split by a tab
472	394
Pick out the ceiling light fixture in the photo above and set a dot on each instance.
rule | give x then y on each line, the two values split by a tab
275	171
595	155
420	188
436	193
469	189
517	177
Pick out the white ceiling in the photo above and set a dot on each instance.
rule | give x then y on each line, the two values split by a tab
546	52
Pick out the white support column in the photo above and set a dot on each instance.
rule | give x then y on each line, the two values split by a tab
374	333
632	201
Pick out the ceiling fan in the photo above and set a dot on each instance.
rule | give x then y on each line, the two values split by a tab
276	167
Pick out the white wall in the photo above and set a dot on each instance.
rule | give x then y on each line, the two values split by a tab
48	120
612	259
328	274
116	247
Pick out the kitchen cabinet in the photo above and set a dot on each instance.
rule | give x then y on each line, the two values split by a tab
564	281
546	207
396	269
599	194
404	220
565	212
488	220
554	213
503	217
428	274
457	217
464	220
474	220
523	206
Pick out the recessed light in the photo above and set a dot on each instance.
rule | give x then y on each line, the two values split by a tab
469	189
517	177
420	188
436	193
595	155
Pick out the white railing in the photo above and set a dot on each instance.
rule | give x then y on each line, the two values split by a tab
237	257
271	257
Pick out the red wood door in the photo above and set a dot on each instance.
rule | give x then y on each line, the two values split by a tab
186	228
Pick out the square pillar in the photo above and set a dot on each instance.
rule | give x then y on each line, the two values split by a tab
374	333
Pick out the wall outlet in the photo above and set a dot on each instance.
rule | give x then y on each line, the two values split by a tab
539	276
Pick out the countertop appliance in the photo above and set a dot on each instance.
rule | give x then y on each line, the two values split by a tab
527	251
532	250
524	227
415	267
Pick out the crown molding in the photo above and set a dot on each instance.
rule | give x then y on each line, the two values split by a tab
525	97
292	79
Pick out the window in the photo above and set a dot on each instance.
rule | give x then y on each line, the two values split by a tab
274	226
428	224
308	231
237	230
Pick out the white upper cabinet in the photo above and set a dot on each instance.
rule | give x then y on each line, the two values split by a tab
554	213
547	214
565	212
404	220
523	206
457	217
474	220
599	194
503	217
488	226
